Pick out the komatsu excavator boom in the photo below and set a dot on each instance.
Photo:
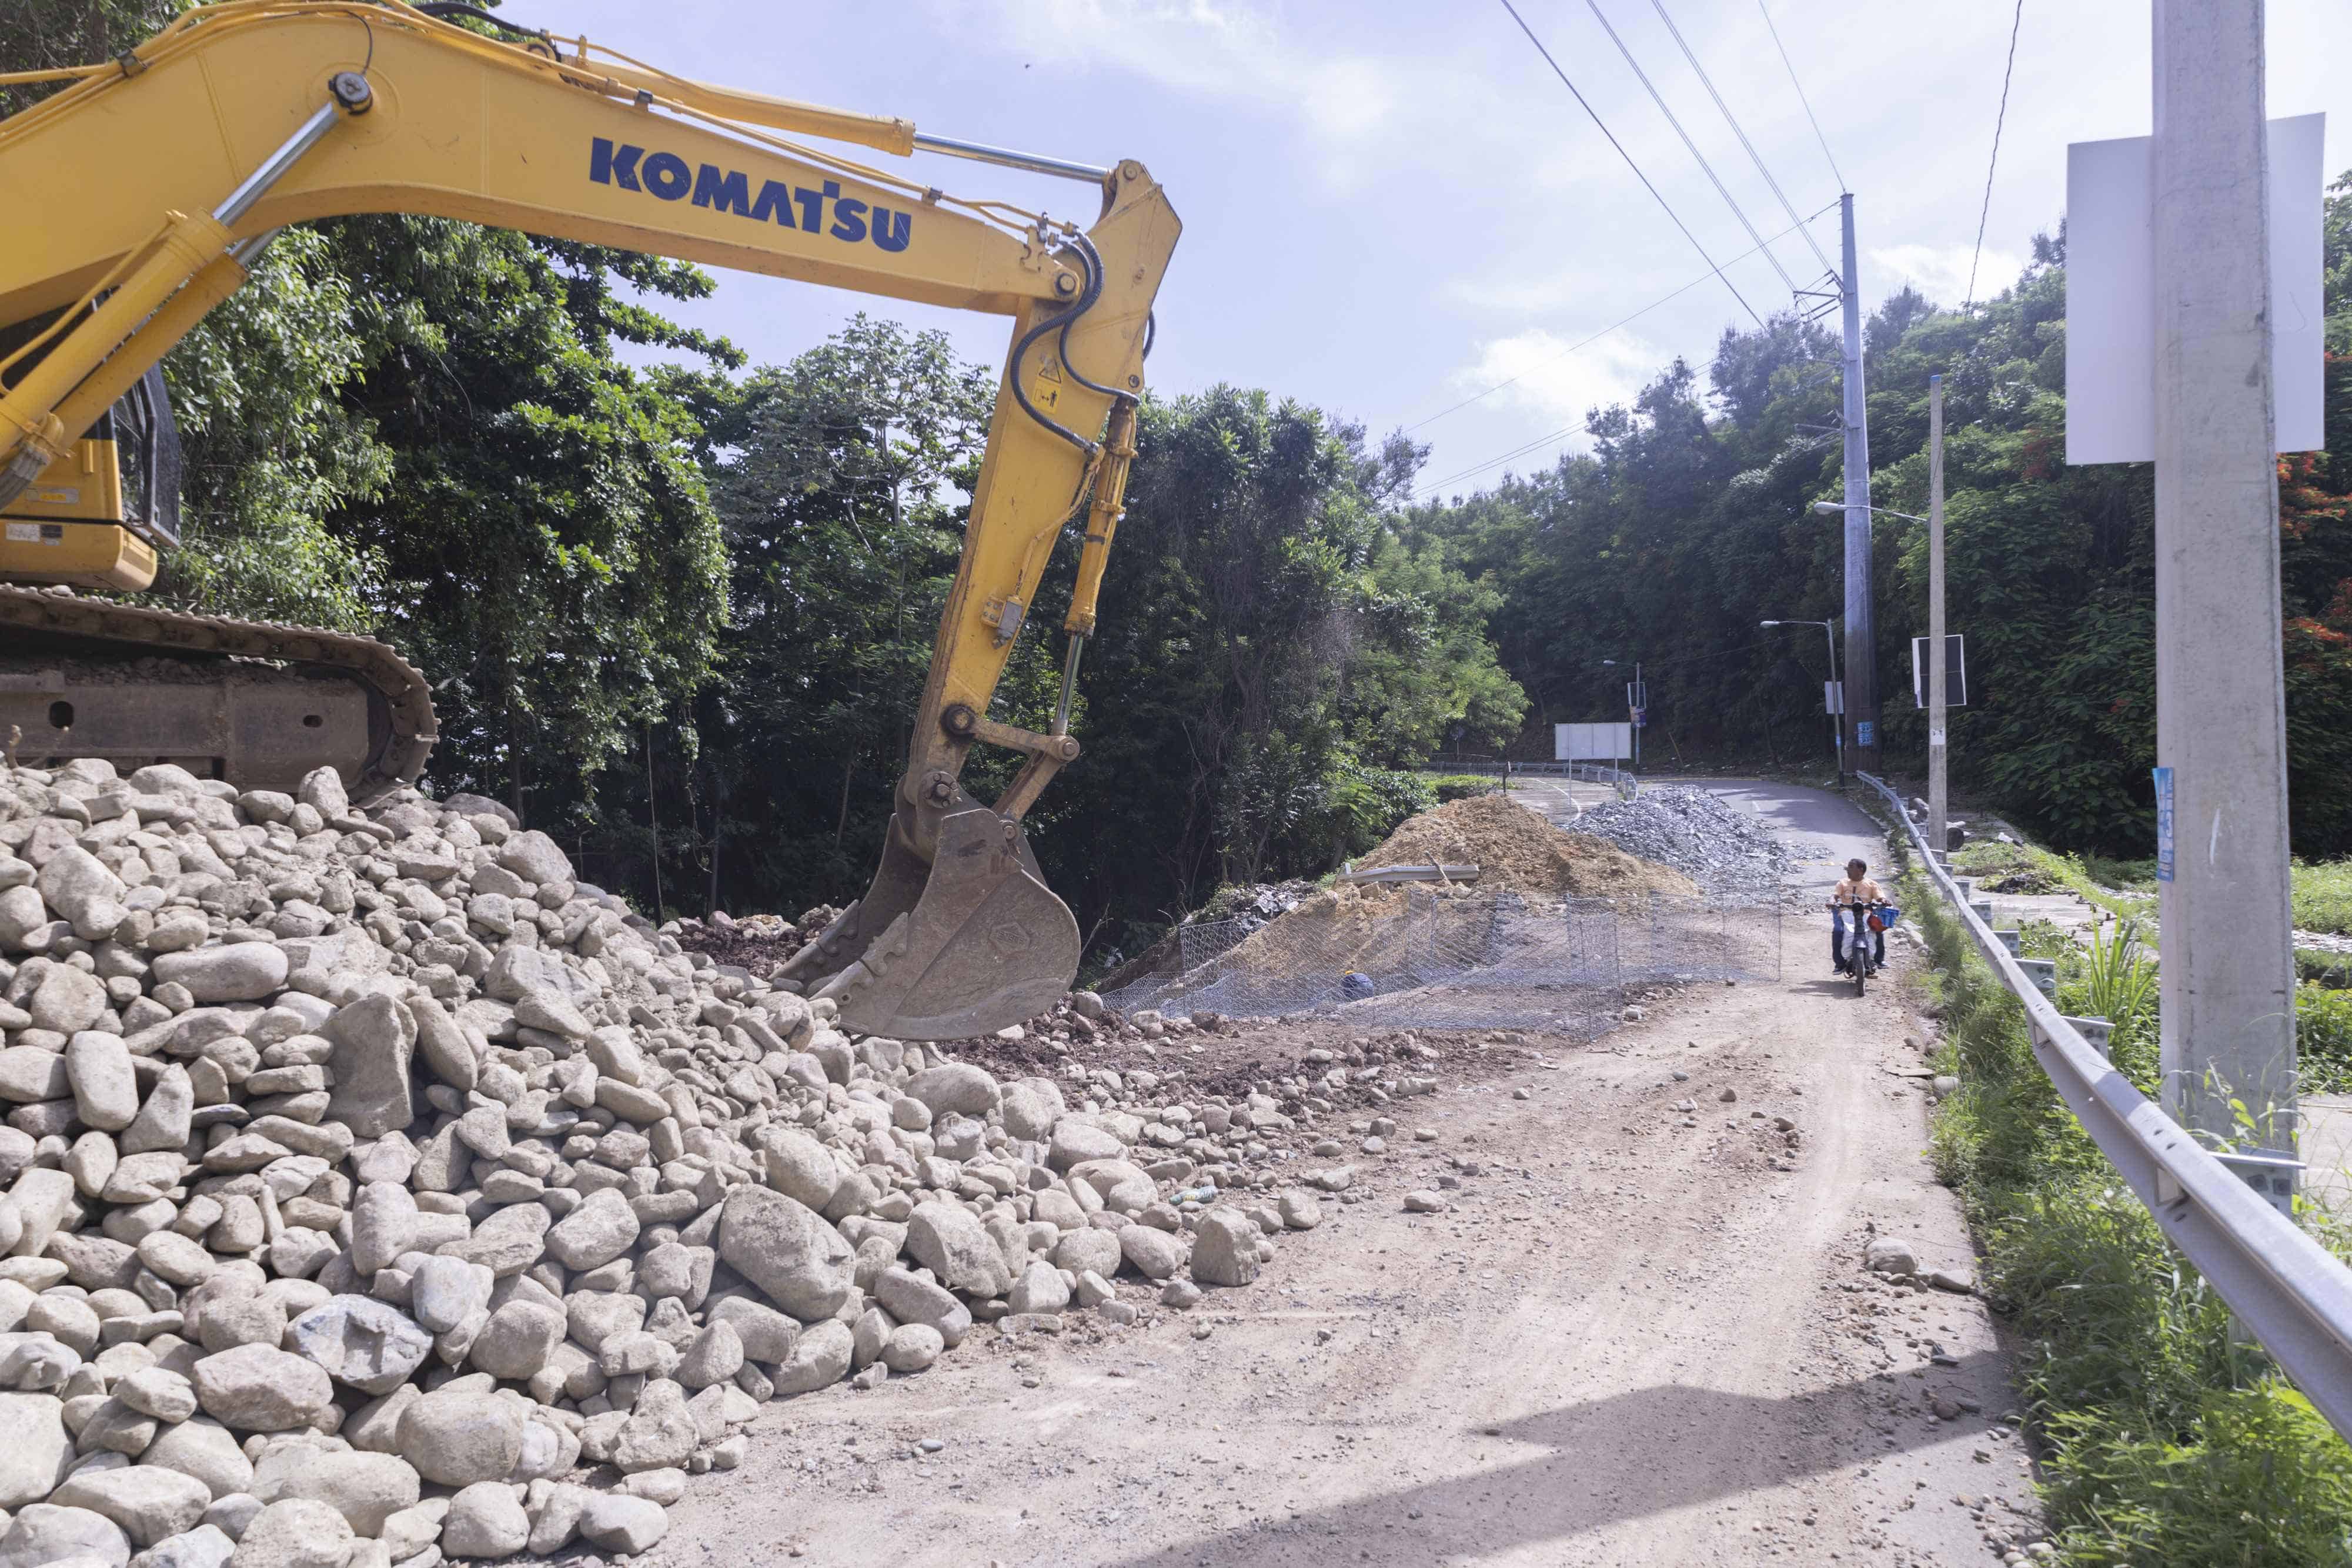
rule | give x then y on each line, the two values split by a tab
143	192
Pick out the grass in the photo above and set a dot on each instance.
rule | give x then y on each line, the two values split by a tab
1455	786
2163	1439
2322	892
2122	888
2323	896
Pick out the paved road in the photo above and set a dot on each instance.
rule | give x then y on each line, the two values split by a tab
1634	1335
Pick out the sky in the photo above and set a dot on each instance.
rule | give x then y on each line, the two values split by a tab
1391	208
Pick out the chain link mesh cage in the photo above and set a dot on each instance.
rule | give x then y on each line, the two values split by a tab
1458	959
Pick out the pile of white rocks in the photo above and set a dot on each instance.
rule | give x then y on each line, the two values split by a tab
376	1192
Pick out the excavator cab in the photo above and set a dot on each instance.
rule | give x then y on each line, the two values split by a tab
99	516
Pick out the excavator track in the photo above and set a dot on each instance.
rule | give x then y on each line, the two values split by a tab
254	702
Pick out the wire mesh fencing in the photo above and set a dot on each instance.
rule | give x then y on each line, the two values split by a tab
1462	959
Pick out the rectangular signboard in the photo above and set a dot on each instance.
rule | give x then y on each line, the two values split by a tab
2111	294
1593	742
1956	664
2163	823
1834	698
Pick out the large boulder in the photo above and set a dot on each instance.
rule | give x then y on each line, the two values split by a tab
788	1250
456	1437
260	1388
1075	1143
206	1450
534	857
226	972
1224	1249
371	1346
948	1240
35	1447
1123	1187
596	1233
800	1168
366	1489
660	1433
148	1501
295	1532
956	1086
485	1521
820	1360
373	1040
43	1535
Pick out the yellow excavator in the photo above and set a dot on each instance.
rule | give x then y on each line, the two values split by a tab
143	192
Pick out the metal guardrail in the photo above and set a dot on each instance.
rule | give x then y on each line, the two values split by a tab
2291	1293
1626	784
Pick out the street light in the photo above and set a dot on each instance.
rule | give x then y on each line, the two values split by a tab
1632	706
1837	724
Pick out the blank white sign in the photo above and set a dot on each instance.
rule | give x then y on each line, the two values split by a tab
2111	294
1592	742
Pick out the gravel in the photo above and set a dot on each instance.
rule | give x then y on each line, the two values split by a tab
1722	848
372	1187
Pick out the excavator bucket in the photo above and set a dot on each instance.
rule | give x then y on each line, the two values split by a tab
961	946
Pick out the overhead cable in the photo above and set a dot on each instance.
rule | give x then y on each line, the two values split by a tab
1588	342
1801	96
1753	156
1629	160
1720	188
1986	211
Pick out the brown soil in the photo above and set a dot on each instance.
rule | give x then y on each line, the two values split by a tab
1516	849
757	942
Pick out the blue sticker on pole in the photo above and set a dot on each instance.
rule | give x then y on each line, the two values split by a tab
1866	733
2163	823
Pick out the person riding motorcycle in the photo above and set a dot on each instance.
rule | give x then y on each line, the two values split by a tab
1856	893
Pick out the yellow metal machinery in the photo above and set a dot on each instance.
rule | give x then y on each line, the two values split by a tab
160	175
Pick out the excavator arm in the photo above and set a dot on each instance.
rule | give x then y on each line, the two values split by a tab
154	181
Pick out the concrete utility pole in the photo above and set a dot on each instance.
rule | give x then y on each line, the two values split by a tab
1860	624
1938	752
2220	721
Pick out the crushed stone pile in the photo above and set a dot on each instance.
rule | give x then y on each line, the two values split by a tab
377	1193
1715	843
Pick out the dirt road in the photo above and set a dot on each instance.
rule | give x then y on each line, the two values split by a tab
1634	1335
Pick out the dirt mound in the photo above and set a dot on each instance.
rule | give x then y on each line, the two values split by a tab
1348	928
1519	851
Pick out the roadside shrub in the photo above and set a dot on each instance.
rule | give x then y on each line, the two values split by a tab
2166	1440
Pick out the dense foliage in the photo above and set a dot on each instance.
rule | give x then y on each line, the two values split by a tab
1690	522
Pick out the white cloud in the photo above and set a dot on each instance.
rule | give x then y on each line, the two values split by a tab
1357	112
1939	271
1550	377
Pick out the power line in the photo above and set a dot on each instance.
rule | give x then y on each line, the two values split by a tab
1801	96
1588	342
1753	156
1562	433
1588	108
1986	211
1721	189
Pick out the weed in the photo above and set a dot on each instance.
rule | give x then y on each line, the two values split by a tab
2323	896
2322	1038
2166	1440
